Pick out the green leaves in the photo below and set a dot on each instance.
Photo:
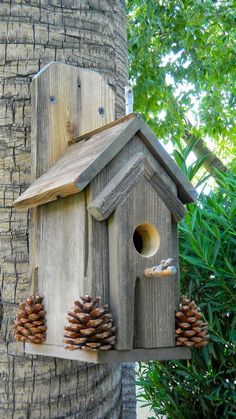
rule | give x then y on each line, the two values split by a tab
183	68
183	62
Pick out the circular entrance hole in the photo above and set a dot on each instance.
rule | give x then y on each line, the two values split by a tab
146	239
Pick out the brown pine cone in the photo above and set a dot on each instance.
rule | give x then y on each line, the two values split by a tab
190	330
90	326
29	325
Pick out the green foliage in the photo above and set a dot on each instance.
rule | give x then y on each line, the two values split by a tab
183	64
183	69
206	385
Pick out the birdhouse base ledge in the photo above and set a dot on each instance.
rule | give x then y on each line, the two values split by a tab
111	356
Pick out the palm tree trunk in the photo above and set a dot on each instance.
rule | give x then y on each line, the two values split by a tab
200	149
85	33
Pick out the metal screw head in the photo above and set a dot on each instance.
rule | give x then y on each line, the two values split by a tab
101	110
52	99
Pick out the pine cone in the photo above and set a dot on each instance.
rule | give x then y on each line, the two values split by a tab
90	326
190	329
29	325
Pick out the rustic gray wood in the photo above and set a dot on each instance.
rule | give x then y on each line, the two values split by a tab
78	165
172	202
66	100
97	186
60	258
160	354
90	134
100	257
175	252
130	299
186	191
146	304
84	160
119	187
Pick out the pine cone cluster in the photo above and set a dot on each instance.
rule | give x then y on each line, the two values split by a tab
190	329
90	326
29	325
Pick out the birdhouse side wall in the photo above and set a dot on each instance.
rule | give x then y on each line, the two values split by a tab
60	259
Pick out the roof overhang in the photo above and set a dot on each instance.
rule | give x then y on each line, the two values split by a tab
82	161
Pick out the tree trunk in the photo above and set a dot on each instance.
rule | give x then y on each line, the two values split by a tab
85	33
200	149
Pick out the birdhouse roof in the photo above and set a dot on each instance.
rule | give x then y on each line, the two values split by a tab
85	158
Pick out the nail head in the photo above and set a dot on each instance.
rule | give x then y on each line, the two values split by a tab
101	110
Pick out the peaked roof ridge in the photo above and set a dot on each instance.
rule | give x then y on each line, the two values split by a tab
84	159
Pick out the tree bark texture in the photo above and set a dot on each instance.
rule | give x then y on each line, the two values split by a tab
89	34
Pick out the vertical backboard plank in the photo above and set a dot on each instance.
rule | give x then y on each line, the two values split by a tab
67	102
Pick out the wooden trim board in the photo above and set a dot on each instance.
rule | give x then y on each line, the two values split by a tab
90	134
186	191
110	357
118	188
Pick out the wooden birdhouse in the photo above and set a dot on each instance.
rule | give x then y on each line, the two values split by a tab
106	202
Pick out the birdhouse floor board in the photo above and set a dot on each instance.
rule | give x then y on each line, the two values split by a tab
112	356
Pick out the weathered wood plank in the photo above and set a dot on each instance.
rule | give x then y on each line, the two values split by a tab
186	191
172	202
112	356
119	187
61	232
66	100
90	134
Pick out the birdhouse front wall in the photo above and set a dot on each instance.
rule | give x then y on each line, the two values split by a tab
143	307
97	246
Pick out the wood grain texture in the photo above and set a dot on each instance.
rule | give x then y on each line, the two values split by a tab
97	266
90	134
112	356
187	193
143	308
175	252
61	231
60	246
78	165
172	202
83	161
66	101
119	187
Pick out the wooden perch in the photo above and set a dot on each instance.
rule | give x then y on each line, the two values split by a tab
158	272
